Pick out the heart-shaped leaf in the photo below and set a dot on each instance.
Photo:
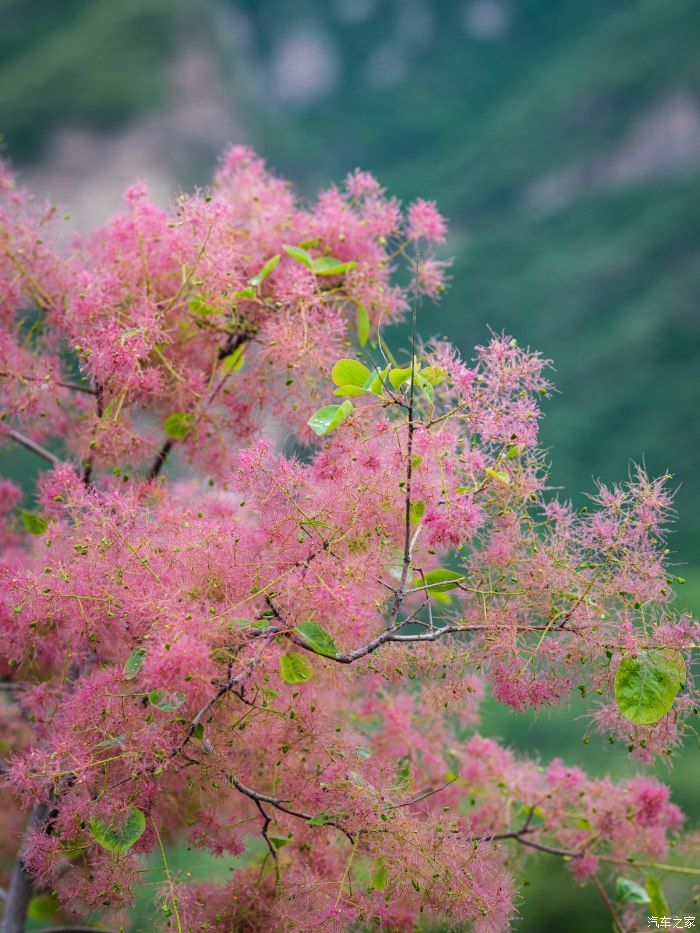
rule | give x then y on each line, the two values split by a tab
35	524
168	702
646	683
120	835
295	668
179	425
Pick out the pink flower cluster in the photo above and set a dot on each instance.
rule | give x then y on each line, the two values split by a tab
293	646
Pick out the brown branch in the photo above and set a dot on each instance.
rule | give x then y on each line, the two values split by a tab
74	386
423	796
281	805
160	459
35	448
21	884
232	343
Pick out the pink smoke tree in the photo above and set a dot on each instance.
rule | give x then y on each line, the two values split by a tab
273	564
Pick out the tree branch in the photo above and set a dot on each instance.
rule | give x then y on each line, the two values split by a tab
21	884
232	343
35	448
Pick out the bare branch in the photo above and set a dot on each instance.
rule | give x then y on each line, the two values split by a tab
35	448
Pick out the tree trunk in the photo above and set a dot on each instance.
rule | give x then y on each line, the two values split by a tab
21	885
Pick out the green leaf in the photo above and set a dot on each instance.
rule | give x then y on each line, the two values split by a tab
179	425
166	701
327	265
234	361
295	668
269	267
404	772
245	293
317	638
629	892
362	324
279	841
198	731
376	385
441	580
199	306
350	373
425	387
119	837
43	907
658	905
417	511
328	418
380	874
434	375
110	743
350	391
301	255
35	524
134	662
498	475
646	683
397	377
322	819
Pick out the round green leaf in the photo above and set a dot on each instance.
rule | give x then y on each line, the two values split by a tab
35	524
119	836
43	907
166	701
380	874
350	373
295	669
434	375
629	892
178	425
397	377
646	683
317	638
134	663
328	418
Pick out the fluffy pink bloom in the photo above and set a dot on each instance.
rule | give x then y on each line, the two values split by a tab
424	220
245	608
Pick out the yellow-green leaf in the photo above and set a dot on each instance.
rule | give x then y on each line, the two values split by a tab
295	668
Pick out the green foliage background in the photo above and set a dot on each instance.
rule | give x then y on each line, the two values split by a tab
607	285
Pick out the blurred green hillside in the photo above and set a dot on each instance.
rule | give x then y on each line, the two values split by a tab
562	140
575	220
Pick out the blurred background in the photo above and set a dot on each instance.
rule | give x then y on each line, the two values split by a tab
560	138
